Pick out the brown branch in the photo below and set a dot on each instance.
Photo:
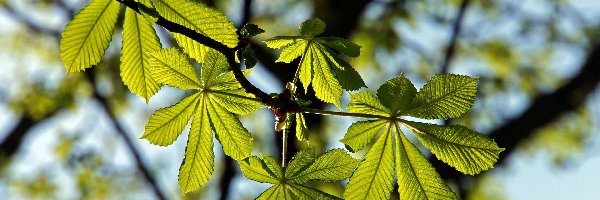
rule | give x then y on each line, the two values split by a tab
544	110
454	36
128	142
211	43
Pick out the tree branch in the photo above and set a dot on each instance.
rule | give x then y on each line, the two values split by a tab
209	42
454	36
128	142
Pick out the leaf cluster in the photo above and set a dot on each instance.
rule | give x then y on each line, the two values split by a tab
218	92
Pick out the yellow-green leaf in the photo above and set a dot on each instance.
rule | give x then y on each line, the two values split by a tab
199	17
374	177
194	49
367	103
171	67
397	93
361	133
254	169
445	96
198	164
139	38
301	128
417	179
458	146
87	36
235	139
166	124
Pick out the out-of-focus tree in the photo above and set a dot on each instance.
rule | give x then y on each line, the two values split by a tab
538	63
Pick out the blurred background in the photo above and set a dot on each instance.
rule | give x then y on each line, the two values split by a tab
75	136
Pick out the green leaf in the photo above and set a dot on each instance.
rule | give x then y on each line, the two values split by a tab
292	51
374	177
214	65
198	164
458	146
194	49
250	30
325	85
367	103
302	192
302	160
320	65
199	17
166	124
301	128
235	139
445	96
341	45
233	101
87	36
306	70
249	57
312	27
348	77
274	192
171	67
273	165
139	38
361	133
333	165
417	179
397	93
254	169
282	41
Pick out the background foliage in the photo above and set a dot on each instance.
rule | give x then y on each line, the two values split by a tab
73	137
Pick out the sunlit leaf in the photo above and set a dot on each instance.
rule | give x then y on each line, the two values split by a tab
462	148
166	124
367	103
198	164
171	67
445	96
199	17
86	37
417	179
361	133
397	93
374	177
139	39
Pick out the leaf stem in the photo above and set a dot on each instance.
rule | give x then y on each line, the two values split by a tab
284	146
346	114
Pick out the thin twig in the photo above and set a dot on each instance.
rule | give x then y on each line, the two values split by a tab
345	114
128	142
454	36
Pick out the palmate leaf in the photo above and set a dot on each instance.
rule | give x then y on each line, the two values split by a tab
417	179
139	38
194	49
458	146
198	164
301	128
215	100
361	133
87	36
320	65
333	165
199	17
445	96
166	124
171	67
374	177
